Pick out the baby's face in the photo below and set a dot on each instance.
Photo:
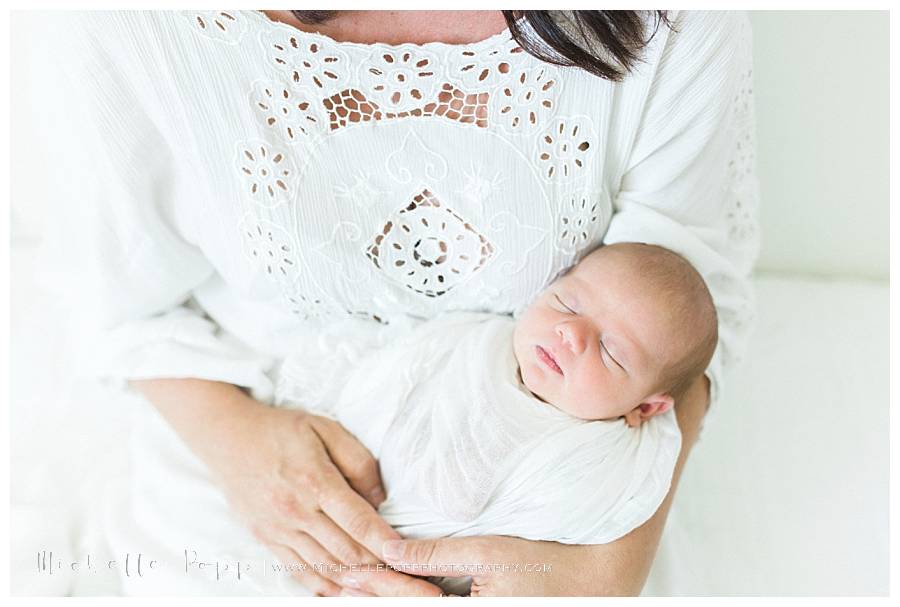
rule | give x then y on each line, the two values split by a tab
606	334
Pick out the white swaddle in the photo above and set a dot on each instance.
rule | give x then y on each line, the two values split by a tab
464	447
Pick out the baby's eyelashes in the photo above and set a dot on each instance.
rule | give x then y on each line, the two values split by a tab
568	309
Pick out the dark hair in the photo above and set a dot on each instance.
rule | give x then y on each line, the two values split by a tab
607	44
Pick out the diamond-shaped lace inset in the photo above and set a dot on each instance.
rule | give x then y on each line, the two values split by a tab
428	247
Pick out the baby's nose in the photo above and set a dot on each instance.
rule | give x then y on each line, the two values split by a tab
572	335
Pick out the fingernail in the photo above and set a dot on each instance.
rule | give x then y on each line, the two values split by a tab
392	550
351	582
376	495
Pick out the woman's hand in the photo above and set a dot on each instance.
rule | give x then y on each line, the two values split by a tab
302	484
507	566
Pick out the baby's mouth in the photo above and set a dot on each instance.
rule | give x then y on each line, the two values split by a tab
548	359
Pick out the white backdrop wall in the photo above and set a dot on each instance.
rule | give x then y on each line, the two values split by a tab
822	102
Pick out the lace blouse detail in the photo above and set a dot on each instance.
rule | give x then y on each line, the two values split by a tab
424	241
268	174
429	257
312	180
223	26
287	112
742	211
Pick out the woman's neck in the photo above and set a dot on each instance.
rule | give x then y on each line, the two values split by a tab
398	27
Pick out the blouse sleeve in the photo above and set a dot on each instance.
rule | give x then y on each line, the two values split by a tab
122	249
689	183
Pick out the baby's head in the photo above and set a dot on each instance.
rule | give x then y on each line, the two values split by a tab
628	329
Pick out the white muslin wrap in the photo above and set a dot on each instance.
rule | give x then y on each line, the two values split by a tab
464	448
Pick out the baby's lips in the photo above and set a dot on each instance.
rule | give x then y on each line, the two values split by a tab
547	352
553	351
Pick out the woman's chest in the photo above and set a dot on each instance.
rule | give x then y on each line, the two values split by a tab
377	180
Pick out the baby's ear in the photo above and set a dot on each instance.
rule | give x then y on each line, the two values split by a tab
650	406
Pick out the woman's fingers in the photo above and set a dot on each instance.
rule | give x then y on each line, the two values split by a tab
339	558
393	583
321	560
337	542
444	554
352	513
352	458
303	572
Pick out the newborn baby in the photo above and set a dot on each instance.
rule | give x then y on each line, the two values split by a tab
623	334
556	426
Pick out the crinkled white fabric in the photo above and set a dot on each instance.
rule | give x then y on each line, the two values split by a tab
285	181
464	448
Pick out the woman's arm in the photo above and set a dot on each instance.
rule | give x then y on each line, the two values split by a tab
622	567
506	566
296	480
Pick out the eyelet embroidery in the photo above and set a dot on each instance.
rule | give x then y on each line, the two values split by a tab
579	222
223	26
268	174
525	104
426	246
271	248
564	148
287	112
306	307
487	69
436	254
742	194
401	79
309	64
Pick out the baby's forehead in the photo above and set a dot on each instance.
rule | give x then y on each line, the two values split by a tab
605	260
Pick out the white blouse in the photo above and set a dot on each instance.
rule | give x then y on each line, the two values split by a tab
239	183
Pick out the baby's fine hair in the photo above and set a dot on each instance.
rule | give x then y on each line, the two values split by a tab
689	303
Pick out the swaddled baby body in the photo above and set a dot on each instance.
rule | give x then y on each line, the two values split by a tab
556	426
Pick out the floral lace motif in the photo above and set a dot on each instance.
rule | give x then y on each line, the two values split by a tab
309	64
400	79
487	69
525	104
288	112
564	148
223	26
268	173
579	222
272	248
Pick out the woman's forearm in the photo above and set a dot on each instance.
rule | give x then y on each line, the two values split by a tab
619	568
622	566
300	483
200	411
